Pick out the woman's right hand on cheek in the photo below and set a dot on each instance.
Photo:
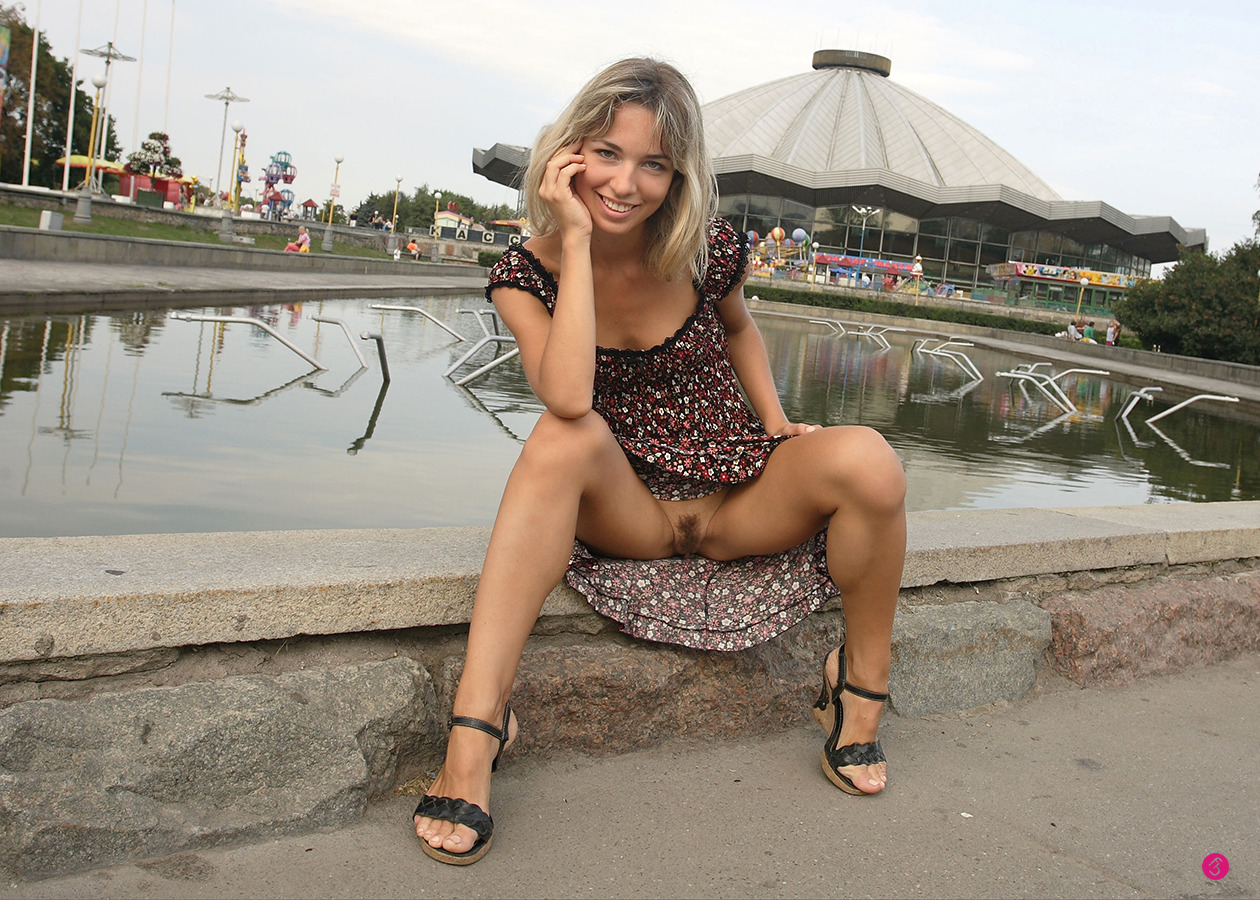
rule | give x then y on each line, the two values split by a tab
557	191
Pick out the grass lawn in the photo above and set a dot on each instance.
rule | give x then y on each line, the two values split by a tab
22	217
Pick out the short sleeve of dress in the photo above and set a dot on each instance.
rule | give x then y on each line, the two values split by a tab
518	268
728	258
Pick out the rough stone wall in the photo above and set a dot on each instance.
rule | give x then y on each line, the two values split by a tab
141	754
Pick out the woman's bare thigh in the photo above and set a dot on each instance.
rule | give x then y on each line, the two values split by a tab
806	479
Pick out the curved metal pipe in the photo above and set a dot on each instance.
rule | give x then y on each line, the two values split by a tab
196	317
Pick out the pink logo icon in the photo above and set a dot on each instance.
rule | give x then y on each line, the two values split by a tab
1215	866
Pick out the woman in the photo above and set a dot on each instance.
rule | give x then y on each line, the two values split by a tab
629	312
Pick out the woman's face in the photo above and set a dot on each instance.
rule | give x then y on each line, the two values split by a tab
628	175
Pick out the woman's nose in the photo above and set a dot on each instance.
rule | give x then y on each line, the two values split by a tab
622	180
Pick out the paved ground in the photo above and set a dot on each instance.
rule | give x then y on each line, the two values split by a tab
1070	793
23	281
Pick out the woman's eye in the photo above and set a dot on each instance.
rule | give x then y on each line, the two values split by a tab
655	166
605	154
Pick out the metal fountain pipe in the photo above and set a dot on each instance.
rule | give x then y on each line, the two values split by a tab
349	337
380	351
1183	403
424	313
197	317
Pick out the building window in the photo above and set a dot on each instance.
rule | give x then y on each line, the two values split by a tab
963	251
967	229
930	247
934	227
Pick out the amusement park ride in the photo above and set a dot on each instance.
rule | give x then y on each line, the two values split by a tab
779	251
275	202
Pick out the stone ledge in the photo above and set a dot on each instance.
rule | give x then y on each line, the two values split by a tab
158	770
84	596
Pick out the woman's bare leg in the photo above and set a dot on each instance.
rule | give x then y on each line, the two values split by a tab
572	478
850	480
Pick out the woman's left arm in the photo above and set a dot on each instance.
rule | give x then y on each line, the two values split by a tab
752	365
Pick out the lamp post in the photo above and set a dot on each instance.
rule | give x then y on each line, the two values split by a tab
83	206
333	193
1081	298
227	97
393	222
108	53
436	255
917	271
865	212
238	147
813	265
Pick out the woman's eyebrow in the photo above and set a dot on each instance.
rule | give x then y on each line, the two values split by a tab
612	146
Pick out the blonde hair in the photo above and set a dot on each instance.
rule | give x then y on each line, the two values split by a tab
678	231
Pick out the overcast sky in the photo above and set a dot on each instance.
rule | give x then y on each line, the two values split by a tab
1148	105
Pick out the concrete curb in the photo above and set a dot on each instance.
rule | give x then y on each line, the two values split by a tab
80	596
215	641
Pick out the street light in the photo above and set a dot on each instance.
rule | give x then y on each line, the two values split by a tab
1081	298
108	53
865	212
83	207
917	271
238	148
437	198
333	193
99	82
393	222
227	97
813	266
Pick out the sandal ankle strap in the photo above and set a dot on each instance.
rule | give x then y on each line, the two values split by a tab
470	722
863	692
499	734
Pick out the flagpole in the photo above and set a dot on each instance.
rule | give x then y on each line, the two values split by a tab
30	100
74	95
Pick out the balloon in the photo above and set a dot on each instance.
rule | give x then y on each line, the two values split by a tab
777	233
800	236
787	242
753	237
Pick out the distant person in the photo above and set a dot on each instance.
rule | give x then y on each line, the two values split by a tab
413	248
300	244
1073	333
1089	331
1113	332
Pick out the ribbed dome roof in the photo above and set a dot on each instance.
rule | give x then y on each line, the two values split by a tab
846	115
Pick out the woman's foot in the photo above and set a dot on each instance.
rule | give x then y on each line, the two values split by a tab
859	725
465	775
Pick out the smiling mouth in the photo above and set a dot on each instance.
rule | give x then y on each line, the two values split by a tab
614	206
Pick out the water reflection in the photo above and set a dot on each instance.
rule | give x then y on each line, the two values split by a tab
136	422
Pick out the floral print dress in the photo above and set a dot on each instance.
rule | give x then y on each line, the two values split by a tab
679	415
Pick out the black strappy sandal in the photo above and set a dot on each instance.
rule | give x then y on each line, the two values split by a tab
461	812
830	715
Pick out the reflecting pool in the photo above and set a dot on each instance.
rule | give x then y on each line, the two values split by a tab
139	422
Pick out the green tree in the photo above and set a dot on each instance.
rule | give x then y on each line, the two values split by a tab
52	109
1205	306
415	211
154	158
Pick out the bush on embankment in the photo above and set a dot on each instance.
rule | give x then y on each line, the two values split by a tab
1207	305
830	300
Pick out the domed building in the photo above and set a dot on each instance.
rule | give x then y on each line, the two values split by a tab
877	176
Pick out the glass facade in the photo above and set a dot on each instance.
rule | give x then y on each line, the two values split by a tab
955	250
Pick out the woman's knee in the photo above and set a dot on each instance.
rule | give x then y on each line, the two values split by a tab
868	473
568	445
